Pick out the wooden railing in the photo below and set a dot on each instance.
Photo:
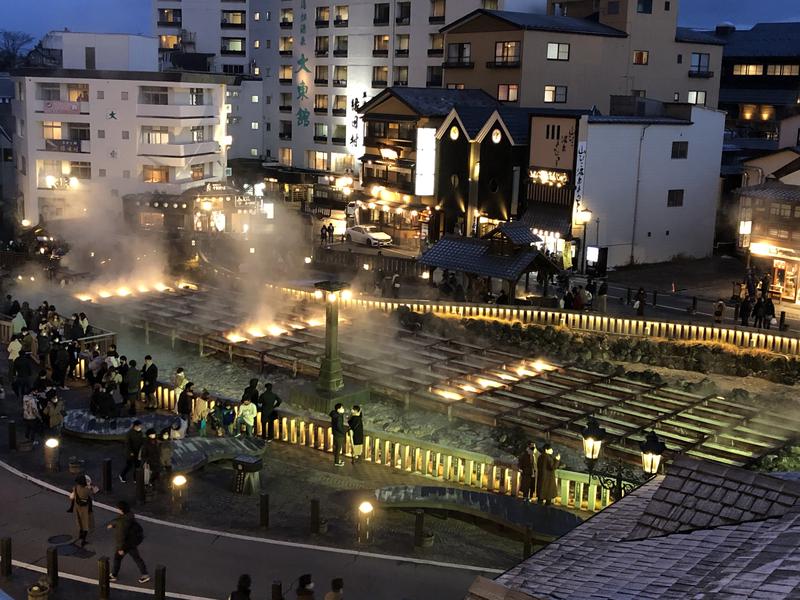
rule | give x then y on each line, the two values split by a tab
579	321
100	339
405	267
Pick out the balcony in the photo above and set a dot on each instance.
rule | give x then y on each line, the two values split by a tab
321	53
287	24
229	25
339	141
436	82
380	52
285	108
322	24
392	182
176	154
285	80
321	139
340	52
700	74
436	19
285	52
169	23
285	135
435	51
403	20
458	64
340	82
401	53
178	111
504	64
401	82
339	112
339	22
228	52
61	107
320	110
381	21
320	81
71	146
379	83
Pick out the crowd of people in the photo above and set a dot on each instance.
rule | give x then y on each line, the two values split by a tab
756	308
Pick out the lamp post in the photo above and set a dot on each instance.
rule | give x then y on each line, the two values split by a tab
618	477
331	378
364	533
583	217
51	455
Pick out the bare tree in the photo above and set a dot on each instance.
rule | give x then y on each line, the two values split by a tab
12	48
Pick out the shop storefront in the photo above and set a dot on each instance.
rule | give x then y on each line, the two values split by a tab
406	221
785	269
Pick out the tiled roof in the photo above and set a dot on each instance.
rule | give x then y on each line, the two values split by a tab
546	217
474	118
518	232
704	530
471	255
694	36
540	22
763	40
434	102
784	97
772	191
787	169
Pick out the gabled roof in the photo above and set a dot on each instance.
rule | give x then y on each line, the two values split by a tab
704	530
517	232
539	22
695	36
764	40
471	255
470	118
432	102
773	190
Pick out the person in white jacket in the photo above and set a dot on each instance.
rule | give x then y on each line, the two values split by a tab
247	417
179	381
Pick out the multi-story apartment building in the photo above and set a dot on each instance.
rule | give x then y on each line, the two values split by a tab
102	122
582	52
320	60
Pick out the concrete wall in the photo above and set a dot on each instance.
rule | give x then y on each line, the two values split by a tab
119	52
789	132
657	232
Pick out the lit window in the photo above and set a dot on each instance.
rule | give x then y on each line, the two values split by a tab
256	43
555	93
783	70
507	92
254	99
557	51
256	16
641	57
697	97
507	53
256	70
253	151
254	125
748	70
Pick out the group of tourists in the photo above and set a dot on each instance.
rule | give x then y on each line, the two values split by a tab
591	297
326	234
537	469
304	590
354	430
117	384
756	308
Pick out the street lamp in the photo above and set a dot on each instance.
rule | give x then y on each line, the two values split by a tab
583	217
364	533
618	477
51	455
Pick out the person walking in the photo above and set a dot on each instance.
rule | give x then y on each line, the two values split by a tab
769	313
246	418
31	417
337	589
269	401
527	471
639	301
602	297
128	536
337	426
758	313
150	381
719	310
134	440
356	425
54	412
81	505
323	235
151	458
546	465
242	591
185	404
132	386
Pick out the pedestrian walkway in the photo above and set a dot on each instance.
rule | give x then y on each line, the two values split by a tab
205	563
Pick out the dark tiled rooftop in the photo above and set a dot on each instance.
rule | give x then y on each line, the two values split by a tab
773	191
763	40
540	22
433	102
694	36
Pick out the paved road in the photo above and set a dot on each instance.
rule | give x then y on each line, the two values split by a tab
206	564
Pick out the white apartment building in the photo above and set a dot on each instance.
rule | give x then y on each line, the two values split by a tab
319	61
105	122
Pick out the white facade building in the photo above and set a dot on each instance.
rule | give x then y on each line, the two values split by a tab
108	123
652	185
317	59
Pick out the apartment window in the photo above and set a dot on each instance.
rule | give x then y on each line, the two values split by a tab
233	69
556	51
285	101
437	11
401	75
323	16
401	44
555	93
340	45
436	47
256	44
317	160
80	169
381	16
78	92
508	92
89	57
51	130
285	156
667	6
613	7
169	16
641	57
321	74
154	95
639	93
339	135
256	16
340	75
339	104
123	95
489	5
380	45
696	97
403	13
701	62
197	96
101	134
285	45
254	99
285	130
233	45
234	18
748	70
253	151
287	17
168	42
285	74
198	133
380	76
341	15
254	125
321	132
459	54
783	70
198	172
680	149
507	53
552	132
434	76
455	86
321	45
155	134
644	6
675	198
321	103
48	91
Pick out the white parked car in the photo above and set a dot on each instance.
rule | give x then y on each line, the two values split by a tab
369	235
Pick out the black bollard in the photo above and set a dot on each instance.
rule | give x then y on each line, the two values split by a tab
628	296
655	297
782	322
161	582
315	515
527	547
277	590
263	511
107	477
141	492
419	527
52	567
5	561
12	435
694	304
736	311
103	582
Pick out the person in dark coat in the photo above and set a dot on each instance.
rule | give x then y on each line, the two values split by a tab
134	440
150	379
744	311
330	233
356	425
267	404
546	465
639	302
305	588
323	235
106	409
758	313
132	386
242	591
124	542
151	456
527	472
769	312
59	360
186	403
165	452
337	427
23	374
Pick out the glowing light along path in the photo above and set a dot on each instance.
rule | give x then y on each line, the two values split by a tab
270	329
125	290
479	383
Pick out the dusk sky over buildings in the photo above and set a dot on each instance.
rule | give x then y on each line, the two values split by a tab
132	17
